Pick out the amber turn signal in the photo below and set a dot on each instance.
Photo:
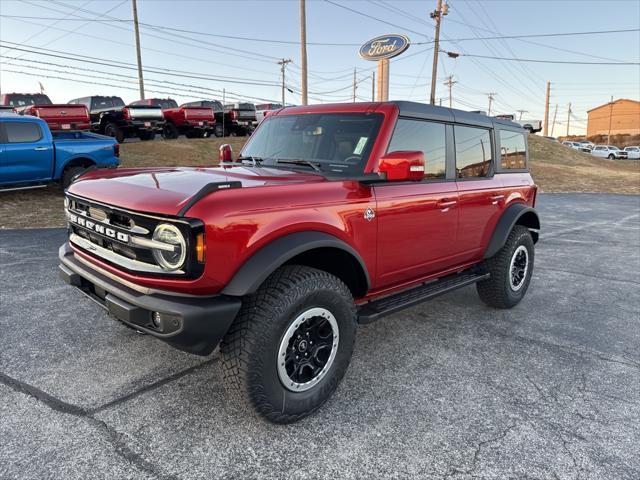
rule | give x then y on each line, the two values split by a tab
200	248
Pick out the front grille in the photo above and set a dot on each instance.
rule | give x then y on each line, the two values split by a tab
123	238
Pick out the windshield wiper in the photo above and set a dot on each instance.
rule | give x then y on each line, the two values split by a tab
294	161
254	160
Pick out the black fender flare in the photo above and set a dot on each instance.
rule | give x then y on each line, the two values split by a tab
265	261
508	220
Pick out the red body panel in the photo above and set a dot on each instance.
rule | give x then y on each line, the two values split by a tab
184	116
61	117
421	230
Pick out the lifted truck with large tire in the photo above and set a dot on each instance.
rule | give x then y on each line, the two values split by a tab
111	117
192	122
330	217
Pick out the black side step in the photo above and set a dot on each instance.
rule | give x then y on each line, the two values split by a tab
376	309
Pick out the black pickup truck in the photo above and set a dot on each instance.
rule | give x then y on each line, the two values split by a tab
226	124
110	116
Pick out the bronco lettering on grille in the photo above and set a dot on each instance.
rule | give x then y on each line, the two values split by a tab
98	227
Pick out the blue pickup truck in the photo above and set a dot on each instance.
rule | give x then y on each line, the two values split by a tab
31	157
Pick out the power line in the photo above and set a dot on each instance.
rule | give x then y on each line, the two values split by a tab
375	18
567	62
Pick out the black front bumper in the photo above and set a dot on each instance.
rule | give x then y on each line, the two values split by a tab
189	323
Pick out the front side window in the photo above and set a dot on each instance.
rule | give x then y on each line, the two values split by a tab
426	137
334	143
473	151
22	132
513	154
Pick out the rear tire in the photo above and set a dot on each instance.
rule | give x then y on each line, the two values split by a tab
218	131
70	174
112	130
511	269
170	131
271	364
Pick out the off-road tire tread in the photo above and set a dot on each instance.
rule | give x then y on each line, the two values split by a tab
69	174
245	335
493	291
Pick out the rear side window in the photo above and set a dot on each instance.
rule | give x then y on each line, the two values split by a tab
473	151
22	132
513	154
426	137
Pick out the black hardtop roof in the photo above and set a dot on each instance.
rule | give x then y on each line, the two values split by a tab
434	112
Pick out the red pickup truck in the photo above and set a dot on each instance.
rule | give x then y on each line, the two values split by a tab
192	122
331	216
58	116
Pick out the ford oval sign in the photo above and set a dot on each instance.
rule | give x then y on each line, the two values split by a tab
385	46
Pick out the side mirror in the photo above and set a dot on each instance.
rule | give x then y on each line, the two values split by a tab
402	166
225	153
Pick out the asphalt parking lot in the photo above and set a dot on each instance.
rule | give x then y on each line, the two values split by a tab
449	389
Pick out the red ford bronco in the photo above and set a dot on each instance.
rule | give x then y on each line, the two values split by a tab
332	215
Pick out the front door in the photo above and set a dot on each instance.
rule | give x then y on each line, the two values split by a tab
27	155
417	221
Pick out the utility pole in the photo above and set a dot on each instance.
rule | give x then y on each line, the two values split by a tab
449	83
553	125
521	112
437	15
373	86
303	51
546	111
568	118
491	95
610	117
283	64
354	85
138	54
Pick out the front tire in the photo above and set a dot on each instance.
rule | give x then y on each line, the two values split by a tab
112	130
291	344
170	131
510	269
611	157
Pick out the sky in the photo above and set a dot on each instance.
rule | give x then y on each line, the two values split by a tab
79	37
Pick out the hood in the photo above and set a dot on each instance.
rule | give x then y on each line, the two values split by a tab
167	190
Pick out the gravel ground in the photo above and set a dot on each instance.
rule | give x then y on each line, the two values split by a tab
448	389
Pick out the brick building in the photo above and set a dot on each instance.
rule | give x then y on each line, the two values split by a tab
622	116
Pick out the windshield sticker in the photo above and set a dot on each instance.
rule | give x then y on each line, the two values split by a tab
360	146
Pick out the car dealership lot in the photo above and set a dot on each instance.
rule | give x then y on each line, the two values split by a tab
450	388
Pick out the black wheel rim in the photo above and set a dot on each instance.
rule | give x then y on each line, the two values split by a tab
307	349
519	267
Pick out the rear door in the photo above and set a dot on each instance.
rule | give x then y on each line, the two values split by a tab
481	194
27	154
417	221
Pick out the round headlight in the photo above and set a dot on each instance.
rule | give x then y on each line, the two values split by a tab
169	234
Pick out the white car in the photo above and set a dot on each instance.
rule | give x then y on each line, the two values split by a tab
608	151
588	145
633	153
576	146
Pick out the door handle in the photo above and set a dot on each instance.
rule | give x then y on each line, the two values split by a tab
445	204
496	198
40	149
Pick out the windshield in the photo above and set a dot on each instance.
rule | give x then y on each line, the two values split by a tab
337	143
22	100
